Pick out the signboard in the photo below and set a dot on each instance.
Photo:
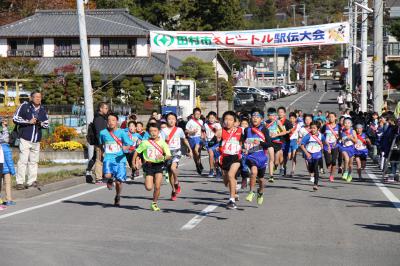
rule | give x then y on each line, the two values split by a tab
326	34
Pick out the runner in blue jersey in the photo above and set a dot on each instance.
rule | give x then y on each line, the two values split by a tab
115	143
135	138
256	142
331	131
361	149
348	139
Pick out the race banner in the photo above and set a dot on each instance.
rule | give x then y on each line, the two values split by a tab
326	34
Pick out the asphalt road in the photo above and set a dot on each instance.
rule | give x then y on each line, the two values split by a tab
341	224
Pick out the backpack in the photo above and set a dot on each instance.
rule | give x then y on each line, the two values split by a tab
14	137
91	136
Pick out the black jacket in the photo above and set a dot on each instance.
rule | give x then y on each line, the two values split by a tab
100	123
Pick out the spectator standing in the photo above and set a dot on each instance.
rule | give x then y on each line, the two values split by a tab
31	118
340	101
99	123
349	100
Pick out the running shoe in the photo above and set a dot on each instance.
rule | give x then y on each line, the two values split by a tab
331	178
173	196
99	182
340	170
137	173
250	196
284	171
198	169
219	174
315	188
349	178
312	179
345	175
20	187
231	205
178	188
10	203
281	172
1	201
2	207
322	171
154	207
260	198
236	198
117	199
211	173
110	184
271	179
201	166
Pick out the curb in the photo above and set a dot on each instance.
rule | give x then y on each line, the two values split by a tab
33	192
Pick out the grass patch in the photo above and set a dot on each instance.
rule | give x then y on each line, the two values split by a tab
44	164
53	177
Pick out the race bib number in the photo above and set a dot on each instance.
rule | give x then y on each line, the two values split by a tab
154	154
313	147
112	148
330	138
232	147
175	143
347	142
251	143
360	145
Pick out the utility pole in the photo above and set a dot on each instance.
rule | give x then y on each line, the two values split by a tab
305	54
275	67
378	55
165	87
294	14
218	93
87	83
354	59
350	49
364	56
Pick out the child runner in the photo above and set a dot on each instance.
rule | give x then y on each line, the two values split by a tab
173	136
140	130
340	156
213	132
244	169
115	143
135	138
294	140
304	131
230	150
312	146
276	130
349	138
195	130
331	132
285	140
155	153
361	149
256	142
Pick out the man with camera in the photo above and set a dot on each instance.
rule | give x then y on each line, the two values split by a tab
30	118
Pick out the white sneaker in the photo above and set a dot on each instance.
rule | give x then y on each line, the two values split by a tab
312	179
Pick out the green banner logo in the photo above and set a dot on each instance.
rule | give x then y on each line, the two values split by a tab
163	40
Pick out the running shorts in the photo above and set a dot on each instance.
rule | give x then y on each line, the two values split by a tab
293	146
153	168
228	160
331	158
277	146
117	170
193	141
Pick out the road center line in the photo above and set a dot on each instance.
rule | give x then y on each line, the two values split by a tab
389	195
200	217
298	98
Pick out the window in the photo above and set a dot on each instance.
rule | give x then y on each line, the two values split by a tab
25	47
118	47
184	92
67	47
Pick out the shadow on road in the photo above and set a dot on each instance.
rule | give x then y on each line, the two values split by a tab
104	205
381	227
365	203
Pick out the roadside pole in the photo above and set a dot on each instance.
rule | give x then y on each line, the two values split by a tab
364	57
87	84
378	56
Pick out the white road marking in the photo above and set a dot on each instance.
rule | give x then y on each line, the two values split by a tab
63	199
389	195
320	98
298	98
198	218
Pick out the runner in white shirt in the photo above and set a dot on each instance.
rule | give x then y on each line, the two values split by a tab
173	136
294	140
195	130
213	135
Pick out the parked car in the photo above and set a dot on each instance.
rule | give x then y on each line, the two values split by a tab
274	92
266	96
244	102
284	91
292	88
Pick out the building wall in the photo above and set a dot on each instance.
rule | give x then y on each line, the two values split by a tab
221	71
3	47
142	48
95	47
48	47
207	106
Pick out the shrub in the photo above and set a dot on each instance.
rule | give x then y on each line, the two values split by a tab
67	145
63	133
